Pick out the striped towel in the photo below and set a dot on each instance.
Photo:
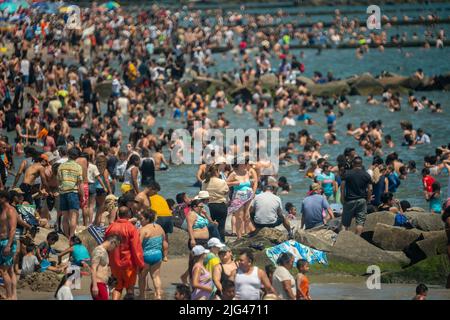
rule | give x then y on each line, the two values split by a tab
97	232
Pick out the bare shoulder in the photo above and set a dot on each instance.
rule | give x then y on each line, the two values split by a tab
10	210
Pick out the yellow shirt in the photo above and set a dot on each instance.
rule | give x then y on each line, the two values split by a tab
210	261
160	206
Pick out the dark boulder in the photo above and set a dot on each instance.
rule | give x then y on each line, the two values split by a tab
430	245
321	239
425	221
393	238
350	247
329	89
366	84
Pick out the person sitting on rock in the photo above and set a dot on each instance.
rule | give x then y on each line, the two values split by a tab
389	203
268	209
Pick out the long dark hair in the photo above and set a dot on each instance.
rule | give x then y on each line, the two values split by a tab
63	281
134	158
212	171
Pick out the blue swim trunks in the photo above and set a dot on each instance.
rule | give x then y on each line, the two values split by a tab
7	260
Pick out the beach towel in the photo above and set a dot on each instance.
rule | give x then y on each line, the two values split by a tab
240	198
97	232
27	213
299	251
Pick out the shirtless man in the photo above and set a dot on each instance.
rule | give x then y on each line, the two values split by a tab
29	184
158	156
200	174
8	223
32	129
83	162
362	129
52	182
29	152
143	199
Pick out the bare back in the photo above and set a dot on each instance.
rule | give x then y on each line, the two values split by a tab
84	165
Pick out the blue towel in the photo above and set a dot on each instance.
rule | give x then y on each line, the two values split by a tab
299	251
97	232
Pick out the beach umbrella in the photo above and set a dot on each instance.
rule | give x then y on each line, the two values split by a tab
111	5
9	7
12	7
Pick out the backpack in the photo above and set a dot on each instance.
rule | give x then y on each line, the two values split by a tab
400	220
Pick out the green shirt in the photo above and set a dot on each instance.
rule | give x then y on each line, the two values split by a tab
70	175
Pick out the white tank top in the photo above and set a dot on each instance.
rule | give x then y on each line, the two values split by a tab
128	178
248	286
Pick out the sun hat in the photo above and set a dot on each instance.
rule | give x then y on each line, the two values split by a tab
202	195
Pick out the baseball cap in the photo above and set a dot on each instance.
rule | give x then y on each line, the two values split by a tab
214	242
199	250
202	195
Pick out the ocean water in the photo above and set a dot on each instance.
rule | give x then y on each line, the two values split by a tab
347	291
180	178
342	63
